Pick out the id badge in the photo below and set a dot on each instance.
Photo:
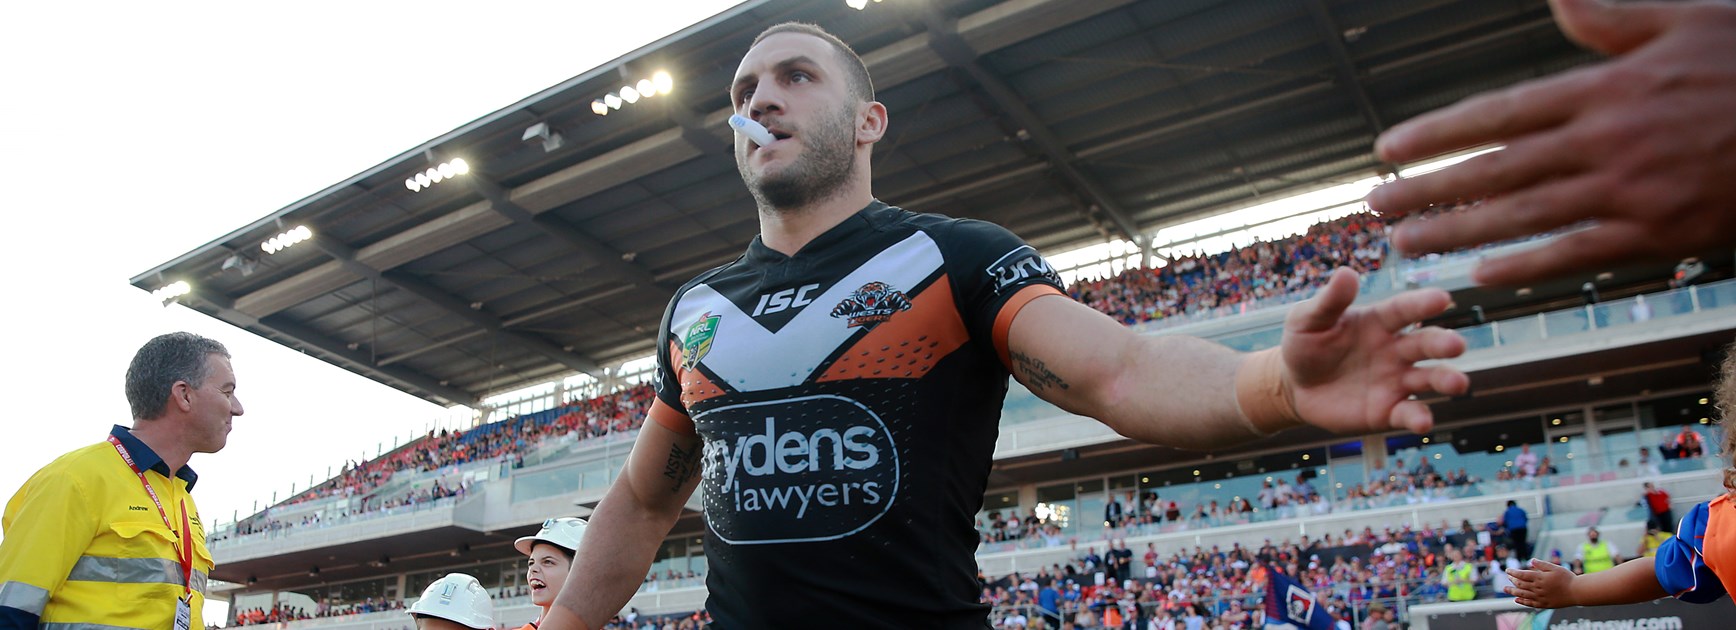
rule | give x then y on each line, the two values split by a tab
183	614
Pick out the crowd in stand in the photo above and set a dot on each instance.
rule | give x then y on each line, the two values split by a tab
633	620
1236	279
505	441
281	613
594	417
1359	576
1150	513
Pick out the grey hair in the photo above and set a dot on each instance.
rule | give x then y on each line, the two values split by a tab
164	361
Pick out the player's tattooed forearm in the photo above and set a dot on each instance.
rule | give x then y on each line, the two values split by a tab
683	464
1034	374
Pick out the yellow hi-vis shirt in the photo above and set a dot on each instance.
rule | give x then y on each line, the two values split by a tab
85	546
1461	580
1597	557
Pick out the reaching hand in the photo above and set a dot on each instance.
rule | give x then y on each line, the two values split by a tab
1353	370
1643	146
1544	585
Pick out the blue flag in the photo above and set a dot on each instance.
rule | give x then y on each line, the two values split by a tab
1290	605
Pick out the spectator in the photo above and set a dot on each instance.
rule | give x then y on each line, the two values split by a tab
1112	513
1526	462
1654	538
1049	603
1685	444
1657	503
1499	567
1596	554
1640	311
1648	466
1517	524
1460	577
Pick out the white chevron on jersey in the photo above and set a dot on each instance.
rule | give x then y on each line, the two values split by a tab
748	357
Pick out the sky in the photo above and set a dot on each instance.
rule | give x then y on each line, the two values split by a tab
136	132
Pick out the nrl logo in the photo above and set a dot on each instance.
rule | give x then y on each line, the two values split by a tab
697	341
871	305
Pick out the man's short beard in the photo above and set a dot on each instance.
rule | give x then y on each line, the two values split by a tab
821	174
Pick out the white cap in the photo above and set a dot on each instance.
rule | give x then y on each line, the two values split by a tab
562	532
458	598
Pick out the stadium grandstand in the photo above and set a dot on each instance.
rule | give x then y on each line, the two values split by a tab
1192	167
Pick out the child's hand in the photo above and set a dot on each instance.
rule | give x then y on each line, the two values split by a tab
1544	585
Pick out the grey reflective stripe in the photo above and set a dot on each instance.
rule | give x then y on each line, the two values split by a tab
126	570
84	626
26	597
199	579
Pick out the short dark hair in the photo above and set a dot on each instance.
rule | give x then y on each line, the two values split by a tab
570	554
860	83
164	361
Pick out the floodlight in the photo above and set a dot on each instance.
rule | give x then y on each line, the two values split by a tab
599	108
282	241
167	293
664	82
613	101
629	94
434	175
857	4
646	88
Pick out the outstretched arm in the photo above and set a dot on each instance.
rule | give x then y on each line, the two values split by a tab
1547	585
1642	145
1349	370
627	527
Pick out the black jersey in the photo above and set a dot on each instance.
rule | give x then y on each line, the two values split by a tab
848	398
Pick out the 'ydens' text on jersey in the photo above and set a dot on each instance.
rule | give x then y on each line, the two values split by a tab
848	400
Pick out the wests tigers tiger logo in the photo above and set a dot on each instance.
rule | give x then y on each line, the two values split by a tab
871	305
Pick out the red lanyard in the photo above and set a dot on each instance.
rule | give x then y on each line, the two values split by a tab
185	555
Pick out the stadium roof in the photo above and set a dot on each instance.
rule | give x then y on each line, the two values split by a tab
1069	122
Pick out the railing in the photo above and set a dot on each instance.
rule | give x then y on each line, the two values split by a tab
541	484
1601	316
349	527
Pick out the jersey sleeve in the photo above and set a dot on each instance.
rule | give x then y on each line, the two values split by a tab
1681	565
995	273
47	527
668	409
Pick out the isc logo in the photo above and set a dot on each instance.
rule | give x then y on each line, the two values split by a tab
785	300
